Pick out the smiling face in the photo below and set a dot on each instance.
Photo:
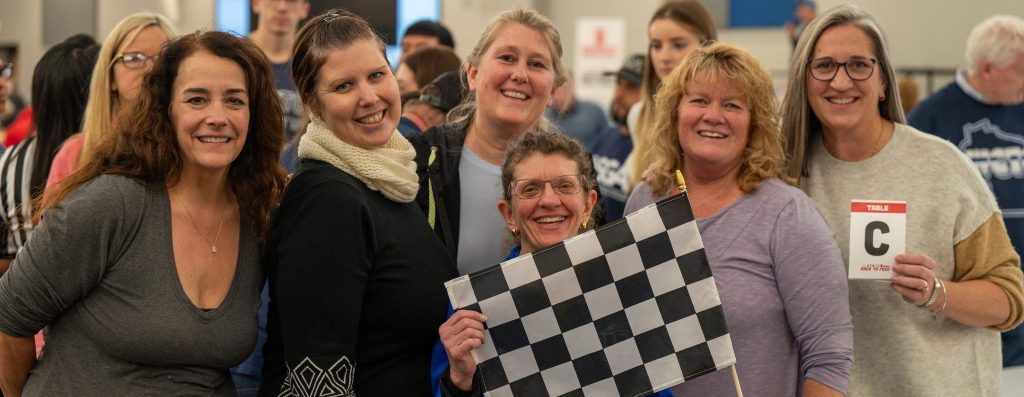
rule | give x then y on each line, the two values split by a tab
843	104
513	80
209	112
126	81
358	96
713	124
551	217
670	42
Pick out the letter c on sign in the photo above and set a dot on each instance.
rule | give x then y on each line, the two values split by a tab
869	238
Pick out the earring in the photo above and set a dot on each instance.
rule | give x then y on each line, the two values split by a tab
583	226
515	232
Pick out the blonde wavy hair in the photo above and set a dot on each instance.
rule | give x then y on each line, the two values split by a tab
763	157
99	112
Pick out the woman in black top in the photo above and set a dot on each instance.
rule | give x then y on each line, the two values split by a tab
356	275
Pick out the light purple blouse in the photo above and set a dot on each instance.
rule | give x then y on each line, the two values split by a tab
783	288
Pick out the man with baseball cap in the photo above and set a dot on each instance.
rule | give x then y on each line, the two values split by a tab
627	88
613	144
435	101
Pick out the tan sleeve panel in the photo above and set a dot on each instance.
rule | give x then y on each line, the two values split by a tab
987	254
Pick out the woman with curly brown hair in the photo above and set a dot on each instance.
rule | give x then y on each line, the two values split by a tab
145	267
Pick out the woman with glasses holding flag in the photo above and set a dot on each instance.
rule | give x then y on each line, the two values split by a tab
549	194
126	56
934	328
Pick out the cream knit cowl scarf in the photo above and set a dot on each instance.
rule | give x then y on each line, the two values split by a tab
389	169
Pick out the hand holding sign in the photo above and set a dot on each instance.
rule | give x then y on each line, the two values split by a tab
878	231
914	277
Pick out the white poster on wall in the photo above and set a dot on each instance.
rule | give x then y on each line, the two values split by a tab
600	48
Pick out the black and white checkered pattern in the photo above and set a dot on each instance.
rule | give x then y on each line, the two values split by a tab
624	310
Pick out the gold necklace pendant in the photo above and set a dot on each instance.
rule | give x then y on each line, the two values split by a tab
213	245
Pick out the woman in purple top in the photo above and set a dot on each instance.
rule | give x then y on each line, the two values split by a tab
777	268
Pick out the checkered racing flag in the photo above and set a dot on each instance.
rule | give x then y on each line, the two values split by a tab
623	310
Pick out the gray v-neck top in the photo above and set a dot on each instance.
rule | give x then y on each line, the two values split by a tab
99	273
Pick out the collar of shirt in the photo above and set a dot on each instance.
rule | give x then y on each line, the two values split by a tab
961	80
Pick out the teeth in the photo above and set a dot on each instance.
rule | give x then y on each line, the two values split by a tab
213	139
372	119
710	134
550	219
841	101
513	94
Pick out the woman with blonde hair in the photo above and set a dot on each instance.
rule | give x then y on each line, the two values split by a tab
676	29
958	283
126	56
778	271
512	72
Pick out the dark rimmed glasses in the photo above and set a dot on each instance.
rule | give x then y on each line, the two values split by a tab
857	68
134	60
565	185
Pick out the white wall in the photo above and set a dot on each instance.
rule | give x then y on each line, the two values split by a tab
922	33
21	24
187	16
466	19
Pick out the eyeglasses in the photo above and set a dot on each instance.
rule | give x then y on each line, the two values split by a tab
858	69
565	185
7	70
134	60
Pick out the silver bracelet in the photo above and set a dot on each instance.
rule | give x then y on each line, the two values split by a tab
935	294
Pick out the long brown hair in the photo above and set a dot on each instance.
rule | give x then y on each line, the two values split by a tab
429	62
144	145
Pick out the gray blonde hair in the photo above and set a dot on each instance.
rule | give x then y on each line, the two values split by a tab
998	39
799	123
465	112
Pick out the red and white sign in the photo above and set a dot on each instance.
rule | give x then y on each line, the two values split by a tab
878	232
600	43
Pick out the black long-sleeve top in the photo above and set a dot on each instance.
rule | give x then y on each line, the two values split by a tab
357	294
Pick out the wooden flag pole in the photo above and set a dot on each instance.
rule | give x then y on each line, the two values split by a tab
680	181
736	381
